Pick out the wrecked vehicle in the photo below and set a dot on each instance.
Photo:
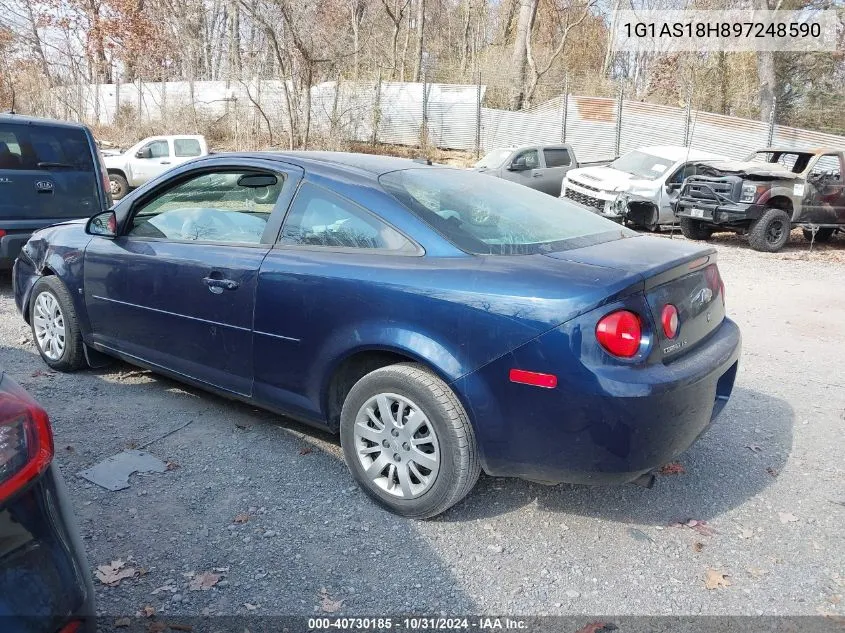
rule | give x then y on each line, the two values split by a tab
648	178
766	196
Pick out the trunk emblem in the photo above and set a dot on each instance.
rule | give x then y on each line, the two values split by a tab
702	296
5	180
44	185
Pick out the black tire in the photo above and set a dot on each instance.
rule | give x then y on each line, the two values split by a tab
119	186
770	233
823	234
695	230
459	466
72	357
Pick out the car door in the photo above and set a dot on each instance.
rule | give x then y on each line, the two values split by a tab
176	288
525	168
150	161
824	195
313	287
557	161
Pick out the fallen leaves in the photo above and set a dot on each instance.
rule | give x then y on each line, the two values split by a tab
240	519
306	450
755	572
251	607
697	546
773	472
40	372
147	612
754	448
204	581
122	623
787	517
171	465
597	627
112	574
672	468
694	524
329	604
716	580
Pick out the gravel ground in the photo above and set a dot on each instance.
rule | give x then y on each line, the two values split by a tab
768	481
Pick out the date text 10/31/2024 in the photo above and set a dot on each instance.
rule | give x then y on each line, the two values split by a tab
418	624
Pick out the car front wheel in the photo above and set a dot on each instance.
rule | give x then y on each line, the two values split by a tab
55	329
695	230
118	185
408	441
771	232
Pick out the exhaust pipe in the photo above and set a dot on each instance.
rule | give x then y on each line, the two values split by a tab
646	480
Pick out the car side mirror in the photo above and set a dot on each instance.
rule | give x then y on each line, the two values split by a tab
144	152
673	186
518	164
103	224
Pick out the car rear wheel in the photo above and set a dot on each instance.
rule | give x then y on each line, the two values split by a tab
695	230
55	329
119	186
823	234
771	232
408	441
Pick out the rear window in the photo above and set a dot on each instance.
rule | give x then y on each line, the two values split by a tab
556	157
490	216
187	147
41	147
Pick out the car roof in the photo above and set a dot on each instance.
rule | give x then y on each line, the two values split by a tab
801	150
38	121
371	165
679	152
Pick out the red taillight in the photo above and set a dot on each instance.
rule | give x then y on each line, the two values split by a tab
2	232
669	320
26	441
549	381
112	224
620	333
71	627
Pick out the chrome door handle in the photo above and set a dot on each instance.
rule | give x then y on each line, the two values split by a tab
220	284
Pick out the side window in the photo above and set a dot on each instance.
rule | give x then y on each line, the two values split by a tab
158	149
557	157
320	218
531	156
828	168
10	149
184	147
223	206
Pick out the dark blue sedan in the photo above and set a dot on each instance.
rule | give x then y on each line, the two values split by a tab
45	586
441	321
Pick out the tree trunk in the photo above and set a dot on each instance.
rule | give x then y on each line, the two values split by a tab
527	12
768	82
418	53
465	42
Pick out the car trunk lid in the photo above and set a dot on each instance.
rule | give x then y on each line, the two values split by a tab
671	272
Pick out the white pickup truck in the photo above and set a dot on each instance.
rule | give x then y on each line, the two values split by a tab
148	158
649	177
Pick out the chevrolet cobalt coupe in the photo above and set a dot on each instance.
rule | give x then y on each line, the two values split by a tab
440	321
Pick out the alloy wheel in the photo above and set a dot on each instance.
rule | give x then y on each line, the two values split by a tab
397	446
49	326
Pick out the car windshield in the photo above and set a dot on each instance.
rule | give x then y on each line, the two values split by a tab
490	216
642	165
494	159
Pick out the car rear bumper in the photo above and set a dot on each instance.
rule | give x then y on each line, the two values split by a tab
44	578
600	425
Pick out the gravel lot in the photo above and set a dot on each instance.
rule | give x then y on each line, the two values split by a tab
768	480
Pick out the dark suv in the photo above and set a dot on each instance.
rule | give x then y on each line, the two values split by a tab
50	172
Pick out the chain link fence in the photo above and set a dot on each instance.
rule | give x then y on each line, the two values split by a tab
598	120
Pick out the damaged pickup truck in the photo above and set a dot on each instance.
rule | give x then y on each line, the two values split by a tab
766	196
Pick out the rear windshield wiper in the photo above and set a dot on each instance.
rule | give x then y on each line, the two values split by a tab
48	164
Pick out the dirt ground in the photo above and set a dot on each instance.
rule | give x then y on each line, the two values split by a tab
756	509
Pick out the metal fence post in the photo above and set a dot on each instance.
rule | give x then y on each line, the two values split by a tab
478	113
377	109
619	119
424	130
564	109
772	122
688	117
